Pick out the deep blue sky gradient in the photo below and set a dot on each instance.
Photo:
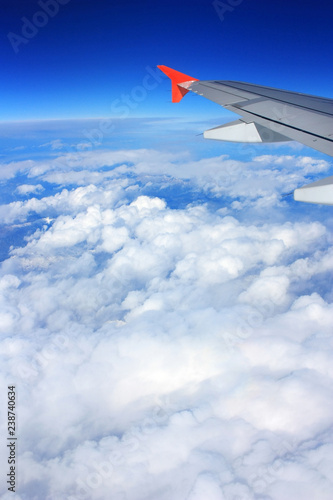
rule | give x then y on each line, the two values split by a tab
93	52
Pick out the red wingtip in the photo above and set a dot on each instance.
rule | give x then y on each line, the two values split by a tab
177	77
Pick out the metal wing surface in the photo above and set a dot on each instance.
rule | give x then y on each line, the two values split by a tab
267	115
304	118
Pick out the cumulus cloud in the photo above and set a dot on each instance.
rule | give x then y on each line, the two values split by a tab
26	189
170	353
264	178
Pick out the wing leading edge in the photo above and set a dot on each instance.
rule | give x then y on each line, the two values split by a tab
267	115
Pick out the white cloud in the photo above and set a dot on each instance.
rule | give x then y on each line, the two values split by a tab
54	145
82	145
259	183
26	189
168	353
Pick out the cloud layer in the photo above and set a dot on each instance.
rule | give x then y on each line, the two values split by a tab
170	353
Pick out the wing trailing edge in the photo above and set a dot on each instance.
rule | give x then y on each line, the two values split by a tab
240	131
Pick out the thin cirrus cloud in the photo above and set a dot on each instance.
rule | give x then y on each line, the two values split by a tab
168	352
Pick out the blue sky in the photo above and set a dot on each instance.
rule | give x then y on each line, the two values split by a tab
90	53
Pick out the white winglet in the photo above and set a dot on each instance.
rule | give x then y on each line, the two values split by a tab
316	192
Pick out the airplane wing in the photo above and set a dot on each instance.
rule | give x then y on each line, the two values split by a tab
267	115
